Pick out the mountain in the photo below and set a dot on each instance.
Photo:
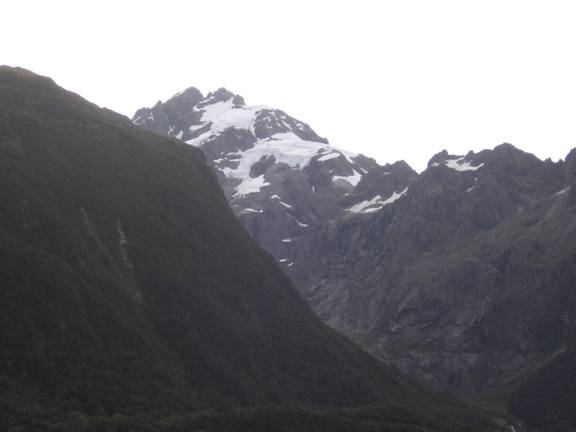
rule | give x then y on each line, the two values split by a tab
461	275
132	299
281	178
472	270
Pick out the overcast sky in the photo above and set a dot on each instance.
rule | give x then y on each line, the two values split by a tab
390	79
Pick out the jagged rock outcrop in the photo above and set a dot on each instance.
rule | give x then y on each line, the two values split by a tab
442	281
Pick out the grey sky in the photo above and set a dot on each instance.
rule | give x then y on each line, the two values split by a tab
391	79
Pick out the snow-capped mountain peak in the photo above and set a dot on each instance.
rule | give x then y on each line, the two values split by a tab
240	139
278	174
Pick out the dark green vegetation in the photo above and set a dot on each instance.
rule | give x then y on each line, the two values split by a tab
131	298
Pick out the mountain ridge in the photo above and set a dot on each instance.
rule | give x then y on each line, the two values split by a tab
390	257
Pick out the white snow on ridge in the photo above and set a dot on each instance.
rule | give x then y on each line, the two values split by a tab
294	153
199	140
376	203
279	201
353	179
395	196
223	115
196	127
348	155
250	185
280	136
362	206
563	191
286	147
329	156
459	165
301	224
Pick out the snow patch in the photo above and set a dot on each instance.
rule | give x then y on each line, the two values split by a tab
376	203
301	224
353	179
286	147
294	153
460	165
201	139
250	185
225	114
196	127
329	156
280	136
279	201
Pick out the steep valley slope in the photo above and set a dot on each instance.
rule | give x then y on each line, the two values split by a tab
132	299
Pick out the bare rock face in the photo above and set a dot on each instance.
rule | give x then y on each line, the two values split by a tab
459	280
462	275
164	118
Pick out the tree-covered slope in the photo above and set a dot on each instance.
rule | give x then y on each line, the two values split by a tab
130	295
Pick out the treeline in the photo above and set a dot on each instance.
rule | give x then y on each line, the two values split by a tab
262	419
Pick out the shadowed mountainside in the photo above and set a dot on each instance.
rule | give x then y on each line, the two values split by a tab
132	298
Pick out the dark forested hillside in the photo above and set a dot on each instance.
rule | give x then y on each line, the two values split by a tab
131	298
